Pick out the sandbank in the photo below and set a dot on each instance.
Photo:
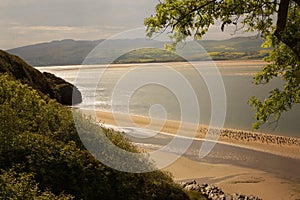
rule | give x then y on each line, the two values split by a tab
235	179
229	177
279	145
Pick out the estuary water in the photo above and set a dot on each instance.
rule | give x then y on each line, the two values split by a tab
162	89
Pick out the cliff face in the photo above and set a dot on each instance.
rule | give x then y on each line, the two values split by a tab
46	83
65	92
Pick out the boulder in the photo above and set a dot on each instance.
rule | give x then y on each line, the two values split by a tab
213	192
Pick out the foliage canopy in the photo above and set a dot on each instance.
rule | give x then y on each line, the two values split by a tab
42	157
277	21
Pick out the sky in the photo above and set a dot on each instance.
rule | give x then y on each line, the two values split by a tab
25	22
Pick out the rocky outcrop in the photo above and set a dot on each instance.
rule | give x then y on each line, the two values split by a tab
259	137
45	83
250	137
214	193
65	92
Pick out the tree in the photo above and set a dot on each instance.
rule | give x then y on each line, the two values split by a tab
277	21
16	186
42	156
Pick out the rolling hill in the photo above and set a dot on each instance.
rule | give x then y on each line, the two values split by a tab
71	52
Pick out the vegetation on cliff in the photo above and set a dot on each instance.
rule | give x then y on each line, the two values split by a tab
41	155
45	83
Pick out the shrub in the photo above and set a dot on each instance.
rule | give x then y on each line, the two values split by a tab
39	135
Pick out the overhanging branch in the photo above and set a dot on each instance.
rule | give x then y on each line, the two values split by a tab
280	31
282	18
297	2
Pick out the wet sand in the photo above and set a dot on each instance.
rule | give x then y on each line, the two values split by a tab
235	179
242	162
279	145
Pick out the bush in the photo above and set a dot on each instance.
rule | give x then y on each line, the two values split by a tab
15	185
39	135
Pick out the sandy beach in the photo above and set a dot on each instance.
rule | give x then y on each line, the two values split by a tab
230	177
279	145
235	179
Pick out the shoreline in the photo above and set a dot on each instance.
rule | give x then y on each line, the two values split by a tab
231	178
235	179
275	144
219	63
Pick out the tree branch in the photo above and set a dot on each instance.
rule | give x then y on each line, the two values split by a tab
280	32
282	18
297	2
191	11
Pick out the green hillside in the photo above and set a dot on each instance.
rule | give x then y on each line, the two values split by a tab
70	52
64	52
237	44
44	83
42	156
147	55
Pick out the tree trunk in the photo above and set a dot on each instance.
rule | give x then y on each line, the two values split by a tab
281	26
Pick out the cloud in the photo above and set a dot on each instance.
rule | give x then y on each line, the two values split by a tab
16	35
79	12
9	3
31	21
25	22
66	29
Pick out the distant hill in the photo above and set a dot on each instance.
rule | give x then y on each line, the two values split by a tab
148	55
71	52
237	44
64	52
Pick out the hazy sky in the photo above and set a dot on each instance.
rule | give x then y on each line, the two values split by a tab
24	22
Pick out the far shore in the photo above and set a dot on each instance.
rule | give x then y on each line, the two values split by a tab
220	63
279	145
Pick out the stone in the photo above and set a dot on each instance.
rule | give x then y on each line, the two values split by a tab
214	193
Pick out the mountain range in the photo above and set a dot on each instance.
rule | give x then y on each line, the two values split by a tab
72	52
